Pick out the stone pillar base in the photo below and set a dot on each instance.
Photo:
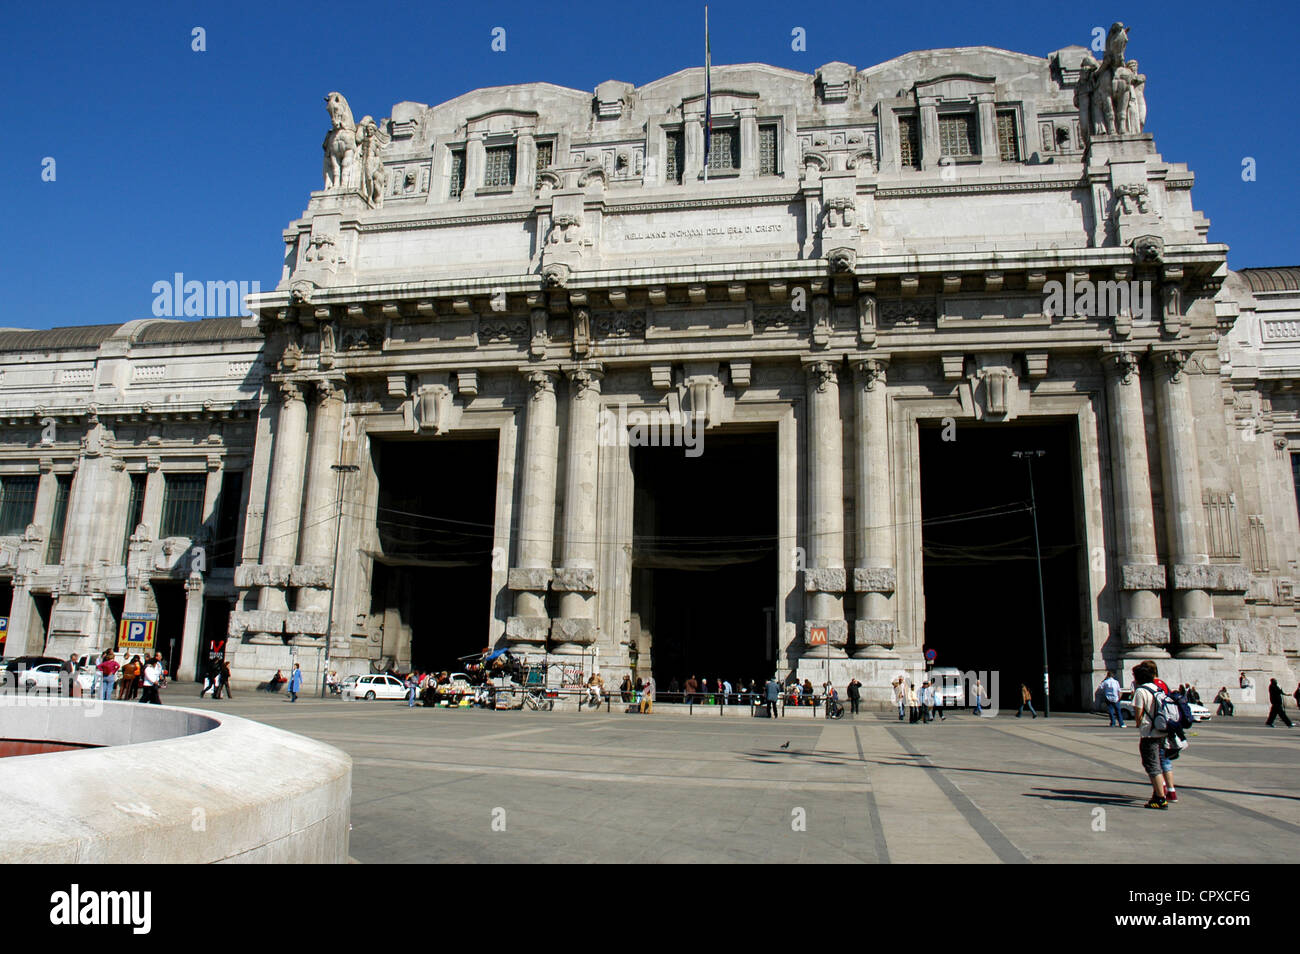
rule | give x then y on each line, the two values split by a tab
573	636
1200	638
1146	637
837	634
875	639
530	630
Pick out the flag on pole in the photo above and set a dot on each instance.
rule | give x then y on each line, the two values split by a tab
708	94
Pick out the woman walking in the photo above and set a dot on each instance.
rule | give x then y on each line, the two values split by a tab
1026	702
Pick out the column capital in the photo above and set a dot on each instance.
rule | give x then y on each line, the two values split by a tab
540	381
1172	363
585	379
822	374
871	371
1121	363
290	392
329	390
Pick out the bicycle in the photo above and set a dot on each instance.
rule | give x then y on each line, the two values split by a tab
538	700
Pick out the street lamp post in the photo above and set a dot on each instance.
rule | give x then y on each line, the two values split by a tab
342	470
1028	457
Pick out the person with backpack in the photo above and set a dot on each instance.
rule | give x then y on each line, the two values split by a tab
1160	731
1110	692
1026	702
1277	705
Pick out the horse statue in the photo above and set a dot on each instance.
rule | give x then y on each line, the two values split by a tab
1113	84
340	145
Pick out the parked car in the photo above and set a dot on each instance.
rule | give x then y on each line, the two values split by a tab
373	687
1199	712
949	690
46	678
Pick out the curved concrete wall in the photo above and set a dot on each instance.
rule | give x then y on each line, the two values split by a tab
171	785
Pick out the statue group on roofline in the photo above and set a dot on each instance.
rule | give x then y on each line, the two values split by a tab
352	153
1111	95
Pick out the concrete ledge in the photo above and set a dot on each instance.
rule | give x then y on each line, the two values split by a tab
172	786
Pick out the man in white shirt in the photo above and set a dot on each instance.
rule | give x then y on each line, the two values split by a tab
1149	740
1110	692
150	680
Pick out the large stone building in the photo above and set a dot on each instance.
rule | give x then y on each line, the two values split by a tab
537	377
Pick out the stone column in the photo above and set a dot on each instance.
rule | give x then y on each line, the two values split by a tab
575	579
284	503
316	543
1197	631
824	577
531	577
151	512
192	637
875	577
1142	576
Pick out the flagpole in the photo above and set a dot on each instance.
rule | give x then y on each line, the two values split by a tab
707	92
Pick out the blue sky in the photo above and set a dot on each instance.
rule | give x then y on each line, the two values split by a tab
170	160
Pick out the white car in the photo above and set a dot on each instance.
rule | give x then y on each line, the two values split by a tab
1199	712
949	689
46	678
373	687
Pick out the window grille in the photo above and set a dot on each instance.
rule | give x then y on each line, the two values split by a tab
59	520
909	143
457	185
1008	139
183	504
499	168
545	155
724	149
17	504
767	165
956	135
675	157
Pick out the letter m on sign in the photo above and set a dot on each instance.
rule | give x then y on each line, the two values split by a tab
817	636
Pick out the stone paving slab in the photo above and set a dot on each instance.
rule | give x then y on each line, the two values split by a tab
429	784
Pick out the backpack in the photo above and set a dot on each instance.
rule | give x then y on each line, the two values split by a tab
1166	717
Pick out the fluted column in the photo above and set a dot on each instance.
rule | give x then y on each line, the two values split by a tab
531	576
1142	576
1197	631
576	577
316	544
284	503
875	577
824	577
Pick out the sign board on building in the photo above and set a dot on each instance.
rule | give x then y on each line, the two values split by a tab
817	636
4	632
136	633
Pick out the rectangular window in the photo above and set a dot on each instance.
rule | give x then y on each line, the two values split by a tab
134	512
59	521
227	535
545	155
909	145
1008	139
17	504
767	165
957	135
499	167
674	157
182	514
724	150
457	185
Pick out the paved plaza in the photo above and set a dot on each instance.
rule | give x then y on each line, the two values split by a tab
428	785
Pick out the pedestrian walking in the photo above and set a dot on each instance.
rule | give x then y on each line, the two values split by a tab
209	678
900	695
1026	702
130	679
108	668
1150	741
151	678
412	687
1277	705
979	697
223	680
648	696
855	695
936	703
1110	692
913	705
71	668
773	694
691	687
1224	701
295	683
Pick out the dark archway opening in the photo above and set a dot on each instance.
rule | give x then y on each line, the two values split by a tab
705	557
433	572
980	573
170	597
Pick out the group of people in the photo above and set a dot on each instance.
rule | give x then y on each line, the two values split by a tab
639	695
216	677
140	676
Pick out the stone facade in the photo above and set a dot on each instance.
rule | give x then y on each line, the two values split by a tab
869	251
